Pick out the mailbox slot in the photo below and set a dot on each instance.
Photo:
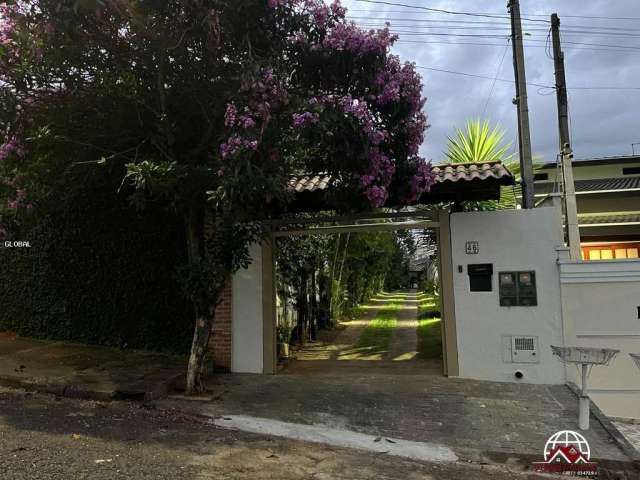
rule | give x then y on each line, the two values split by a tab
480	277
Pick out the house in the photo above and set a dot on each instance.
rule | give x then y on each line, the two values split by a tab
608	200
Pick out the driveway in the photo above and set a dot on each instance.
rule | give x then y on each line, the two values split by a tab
382	337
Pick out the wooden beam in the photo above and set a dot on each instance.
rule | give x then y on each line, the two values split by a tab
423	214
369	227
447	299
269	361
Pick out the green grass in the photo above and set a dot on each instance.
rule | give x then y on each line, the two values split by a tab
429	336
377	336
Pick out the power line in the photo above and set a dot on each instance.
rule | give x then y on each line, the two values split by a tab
586	17
485	44
528	83
417	33
414	33
439	10
478	24
486	77
527	31
495	79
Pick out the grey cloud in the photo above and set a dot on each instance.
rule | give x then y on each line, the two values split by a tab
604	122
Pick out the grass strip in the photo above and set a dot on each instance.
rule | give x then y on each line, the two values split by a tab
377	336
429	335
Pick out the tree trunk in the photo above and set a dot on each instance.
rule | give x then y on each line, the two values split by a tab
204	316
195	369
313	332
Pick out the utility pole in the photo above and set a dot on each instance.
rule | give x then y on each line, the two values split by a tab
524	135
566	155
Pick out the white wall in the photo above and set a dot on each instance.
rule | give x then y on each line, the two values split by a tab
600	309
247	327
511	240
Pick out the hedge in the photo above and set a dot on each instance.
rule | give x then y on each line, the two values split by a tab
98	272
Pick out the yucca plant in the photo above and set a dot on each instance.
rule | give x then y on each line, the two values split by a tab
478	143
481	143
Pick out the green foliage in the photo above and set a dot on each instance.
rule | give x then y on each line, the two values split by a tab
429	328
97	272
429	339
478	143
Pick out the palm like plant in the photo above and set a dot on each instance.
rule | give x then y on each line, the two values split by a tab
478	143
481	143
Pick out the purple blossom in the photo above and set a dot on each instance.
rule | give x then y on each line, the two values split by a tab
421	180
377	196
338	10
246	121
306	118
230	115
349	37
19	200
367	180
231	146
7	23
320	14
13	145
234	144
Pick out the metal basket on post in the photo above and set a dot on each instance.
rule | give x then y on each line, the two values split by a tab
636	358
586	358
585	355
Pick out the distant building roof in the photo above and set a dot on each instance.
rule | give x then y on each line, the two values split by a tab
597	185
591	162
604	219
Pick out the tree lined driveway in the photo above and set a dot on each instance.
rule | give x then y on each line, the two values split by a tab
387	335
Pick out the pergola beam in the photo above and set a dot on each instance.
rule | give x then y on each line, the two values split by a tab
424	214
353	228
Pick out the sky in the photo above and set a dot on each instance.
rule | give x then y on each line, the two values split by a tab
603	122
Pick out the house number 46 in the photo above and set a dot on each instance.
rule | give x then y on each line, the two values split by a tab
472	247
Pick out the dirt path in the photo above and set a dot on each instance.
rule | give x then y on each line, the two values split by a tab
404	344
350	351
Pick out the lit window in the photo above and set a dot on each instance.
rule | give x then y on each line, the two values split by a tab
632	253
606	254
594	255
621	253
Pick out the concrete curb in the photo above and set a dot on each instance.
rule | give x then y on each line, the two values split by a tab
149	392
610	428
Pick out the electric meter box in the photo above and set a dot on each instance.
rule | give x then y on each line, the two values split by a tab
517	289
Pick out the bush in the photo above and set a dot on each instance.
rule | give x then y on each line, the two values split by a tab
99	273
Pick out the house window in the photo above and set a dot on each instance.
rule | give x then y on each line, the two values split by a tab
631	171
617	251
540	177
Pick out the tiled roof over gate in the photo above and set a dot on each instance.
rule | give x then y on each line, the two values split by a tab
462	172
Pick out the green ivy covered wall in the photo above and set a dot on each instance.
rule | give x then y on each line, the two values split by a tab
97	272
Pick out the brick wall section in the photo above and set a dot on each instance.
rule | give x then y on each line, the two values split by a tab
220	340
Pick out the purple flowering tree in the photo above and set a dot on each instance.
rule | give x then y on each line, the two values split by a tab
210	106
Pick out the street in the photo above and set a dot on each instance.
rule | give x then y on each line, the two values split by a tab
44	437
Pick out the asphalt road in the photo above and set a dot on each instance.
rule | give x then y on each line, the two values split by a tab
44	437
